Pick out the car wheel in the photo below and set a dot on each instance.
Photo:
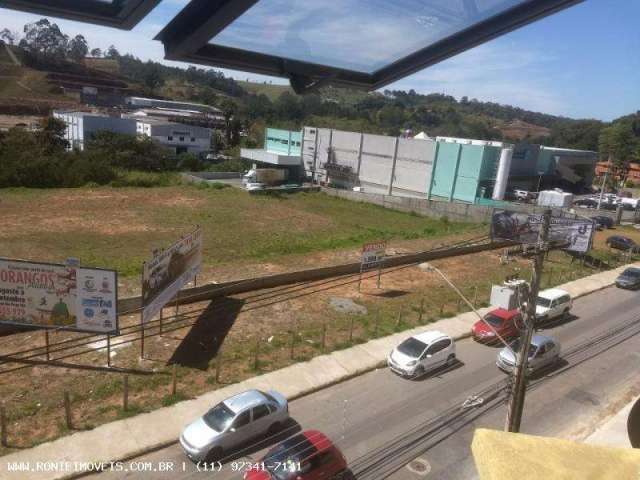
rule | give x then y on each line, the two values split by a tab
451	359
419	372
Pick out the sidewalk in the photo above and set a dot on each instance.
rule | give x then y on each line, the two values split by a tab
125	439
613	432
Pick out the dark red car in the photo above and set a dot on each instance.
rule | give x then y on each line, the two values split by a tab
505	322
310	455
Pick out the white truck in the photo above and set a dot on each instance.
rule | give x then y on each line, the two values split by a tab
265	176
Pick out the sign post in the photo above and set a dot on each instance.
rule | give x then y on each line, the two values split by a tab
373	255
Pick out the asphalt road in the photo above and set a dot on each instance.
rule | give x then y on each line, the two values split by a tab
384	423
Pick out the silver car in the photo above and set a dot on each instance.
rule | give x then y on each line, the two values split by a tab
231	423
544	351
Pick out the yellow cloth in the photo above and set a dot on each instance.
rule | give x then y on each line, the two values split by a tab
516	456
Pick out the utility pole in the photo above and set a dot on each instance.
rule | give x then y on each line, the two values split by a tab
519	380
604	182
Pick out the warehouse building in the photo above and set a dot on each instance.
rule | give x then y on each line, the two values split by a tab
446	168
177	137
82	126
282	149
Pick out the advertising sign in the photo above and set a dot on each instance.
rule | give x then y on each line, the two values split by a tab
168	272
372	255
524	228
64	297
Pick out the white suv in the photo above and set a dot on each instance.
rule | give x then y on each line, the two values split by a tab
552	303
421	353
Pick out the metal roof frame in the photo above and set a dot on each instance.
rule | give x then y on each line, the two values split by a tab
186	39
89	11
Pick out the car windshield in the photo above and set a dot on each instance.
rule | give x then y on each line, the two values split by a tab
219	417
493	320
283	461
543	302
516	348
412	347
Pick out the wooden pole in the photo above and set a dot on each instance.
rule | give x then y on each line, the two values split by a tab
46	342
67	410
351	324
108	350
174	380
475	296
324	336
218	364
257	353
125	393
399	319
3	427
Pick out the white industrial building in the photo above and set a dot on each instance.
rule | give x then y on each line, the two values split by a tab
81	126
175	136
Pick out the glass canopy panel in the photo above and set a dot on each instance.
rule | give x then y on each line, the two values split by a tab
358	35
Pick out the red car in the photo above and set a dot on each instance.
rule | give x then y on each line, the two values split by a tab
310	455
505	322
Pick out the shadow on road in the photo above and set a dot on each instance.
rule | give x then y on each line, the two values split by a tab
206	336
439	371
557	322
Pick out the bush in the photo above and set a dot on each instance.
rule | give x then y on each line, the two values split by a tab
145	179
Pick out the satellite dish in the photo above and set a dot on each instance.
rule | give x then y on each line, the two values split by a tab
633	425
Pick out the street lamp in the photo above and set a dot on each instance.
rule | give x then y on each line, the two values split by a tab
430	268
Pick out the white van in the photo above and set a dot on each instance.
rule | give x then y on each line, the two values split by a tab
551	304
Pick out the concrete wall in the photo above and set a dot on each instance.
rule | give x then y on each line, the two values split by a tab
378	163
429	208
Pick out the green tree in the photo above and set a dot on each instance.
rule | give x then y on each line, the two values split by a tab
77	48
153	77
96	52
45	39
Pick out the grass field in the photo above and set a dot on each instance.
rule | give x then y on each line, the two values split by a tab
119	227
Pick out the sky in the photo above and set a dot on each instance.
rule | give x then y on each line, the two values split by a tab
583	62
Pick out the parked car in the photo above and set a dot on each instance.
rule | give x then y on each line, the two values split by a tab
421	353
234	421
623	243
524	195
630	279
310	455
586	203
551	304
602	221
504	322
543	352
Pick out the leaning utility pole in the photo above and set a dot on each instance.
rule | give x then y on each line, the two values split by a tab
519	378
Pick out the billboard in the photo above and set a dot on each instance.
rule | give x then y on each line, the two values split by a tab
372	255
524	228
62	297
168	272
